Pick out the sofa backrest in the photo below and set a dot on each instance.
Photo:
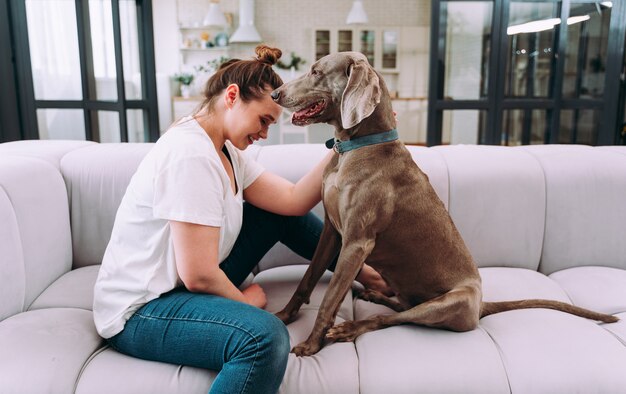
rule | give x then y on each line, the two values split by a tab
97	177
294	161
585	206
497	201
514	207
35	240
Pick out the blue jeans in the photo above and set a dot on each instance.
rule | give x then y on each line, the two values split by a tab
248	345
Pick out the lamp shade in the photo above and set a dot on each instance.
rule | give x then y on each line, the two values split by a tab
246	32
215	16
357	13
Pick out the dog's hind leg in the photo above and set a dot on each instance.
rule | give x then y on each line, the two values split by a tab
456	310
326	251
379	298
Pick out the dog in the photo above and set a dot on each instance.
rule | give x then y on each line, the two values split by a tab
381	209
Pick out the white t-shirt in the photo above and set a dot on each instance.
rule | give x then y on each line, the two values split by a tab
182	178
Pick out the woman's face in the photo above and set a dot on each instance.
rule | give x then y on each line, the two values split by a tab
249	122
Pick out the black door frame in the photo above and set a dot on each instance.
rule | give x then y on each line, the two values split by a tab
496	103
28	105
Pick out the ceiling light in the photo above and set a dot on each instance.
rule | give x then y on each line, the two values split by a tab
576	19
215	16
533	27
608	4
357	13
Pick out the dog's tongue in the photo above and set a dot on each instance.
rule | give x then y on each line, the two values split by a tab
307	112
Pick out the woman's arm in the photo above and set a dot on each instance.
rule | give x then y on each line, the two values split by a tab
276	194
196	249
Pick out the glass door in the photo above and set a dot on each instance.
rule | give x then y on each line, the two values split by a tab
322	43
367	44
344	41
516	72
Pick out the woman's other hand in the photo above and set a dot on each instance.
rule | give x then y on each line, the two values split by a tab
255	296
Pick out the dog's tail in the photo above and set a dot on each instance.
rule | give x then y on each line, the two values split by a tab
489	308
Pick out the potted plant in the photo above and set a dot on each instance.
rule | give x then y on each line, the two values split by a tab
292	66
185	80
211	66
294	63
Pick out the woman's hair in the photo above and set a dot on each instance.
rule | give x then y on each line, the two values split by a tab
253	77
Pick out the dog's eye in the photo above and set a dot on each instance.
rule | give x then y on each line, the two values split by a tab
315	72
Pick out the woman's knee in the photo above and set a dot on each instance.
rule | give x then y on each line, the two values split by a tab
275	336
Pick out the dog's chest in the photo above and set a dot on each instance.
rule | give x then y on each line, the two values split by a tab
331	198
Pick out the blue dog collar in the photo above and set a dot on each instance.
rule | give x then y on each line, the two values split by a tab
359	142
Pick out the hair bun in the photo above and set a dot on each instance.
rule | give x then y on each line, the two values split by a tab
267	54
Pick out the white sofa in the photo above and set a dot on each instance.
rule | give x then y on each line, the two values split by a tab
541	221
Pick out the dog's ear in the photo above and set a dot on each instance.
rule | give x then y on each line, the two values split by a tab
361	96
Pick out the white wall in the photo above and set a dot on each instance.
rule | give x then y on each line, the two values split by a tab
166	55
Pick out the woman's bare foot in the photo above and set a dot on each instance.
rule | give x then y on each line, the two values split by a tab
372	280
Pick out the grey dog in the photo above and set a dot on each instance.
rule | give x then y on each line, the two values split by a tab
380	209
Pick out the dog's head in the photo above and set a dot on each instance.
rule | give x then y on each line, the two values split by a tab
341	89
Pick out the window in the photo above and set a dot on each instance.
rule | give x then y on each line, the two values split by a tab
86	69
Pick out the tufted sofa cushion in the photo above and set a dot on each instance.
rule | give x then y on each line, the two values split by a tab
33	201
97	177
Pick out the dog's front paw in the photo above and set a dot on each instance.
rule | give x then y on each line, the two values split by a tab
307	348
285	316
348	331
343	332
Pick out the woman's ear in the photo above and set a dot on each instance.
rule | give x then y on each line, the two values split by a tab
232	95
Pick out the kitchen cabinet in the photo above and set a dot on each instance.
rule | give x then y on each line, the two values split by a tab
400	55
411	115
378	44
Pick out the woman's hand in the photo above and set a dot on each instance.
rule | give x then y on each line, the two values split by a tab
255	296
371	280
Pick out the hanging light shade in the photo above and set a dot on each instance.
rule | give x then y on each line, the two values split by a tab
215	16
246	32
357	13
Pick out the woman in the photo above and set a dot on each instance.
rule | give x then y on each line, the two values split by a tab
184	240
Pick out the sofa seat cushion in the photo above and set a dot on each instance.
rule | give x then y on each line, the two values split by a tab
111	372
335	368
554	352
618	329
46	349
509	284
490	356
72	290
599	288
281	282
411	359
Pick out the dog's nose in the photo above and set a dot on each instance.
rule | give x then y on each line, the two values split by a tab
275	95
